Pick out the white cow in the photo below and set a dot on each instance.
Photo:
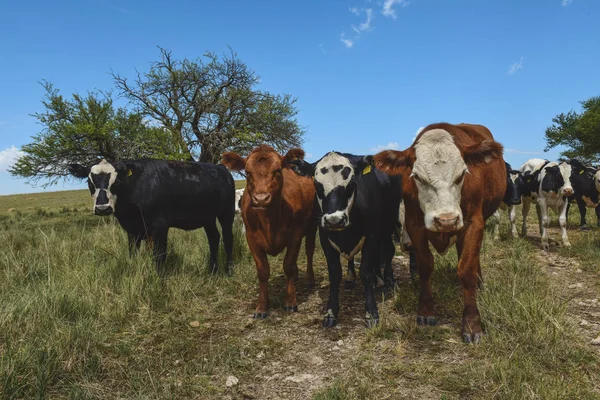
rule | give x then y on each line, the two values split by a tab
238	200
550	185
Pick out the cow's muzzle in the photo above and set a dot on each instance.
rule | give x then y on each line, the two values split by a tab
567	191
333	222
261	200
446	222
515	201
103	209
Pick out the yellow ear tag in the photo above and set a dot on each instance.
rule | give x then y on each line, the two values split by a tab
367	169
581	172
129	172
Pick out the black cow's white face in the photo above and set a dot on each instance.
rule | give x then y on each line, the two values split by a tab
336	190
102	182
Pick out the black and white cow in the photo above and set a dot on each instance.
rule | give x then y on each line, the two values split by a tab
150	196
512	197
357	212
586	186
554	186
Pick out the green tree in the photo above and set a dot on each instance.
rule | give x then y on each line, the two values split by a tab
579	132
213	105
85	129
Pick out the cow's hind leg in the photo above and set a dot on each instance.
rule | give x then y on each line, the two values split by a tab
309	245
469	268
290	268
512	215
350	280
212	233
226	222
524	213
542	209
370	263
387	254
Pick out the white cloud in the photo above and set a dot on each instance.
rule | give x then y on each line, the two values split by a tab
517	151
388	7
8	157
347	42
417	133
365	26
566	3
389	146
515	67
354	10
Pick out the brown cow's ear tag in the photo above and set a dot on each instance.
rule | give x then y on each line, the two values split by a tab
129	172
367	169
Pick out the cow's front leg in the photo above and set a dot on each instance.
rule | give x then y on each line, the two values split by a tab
512	216
562	220
469	268
350	280
542	209
424	261
159	236
334	267
370	264
582	213
134	241
263	272
290	268
212	234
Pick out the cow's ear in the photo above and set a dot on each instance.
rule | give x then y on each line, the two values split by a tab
482	152
365	165
79	171
127	169
392	161
293	154
233	161
303	168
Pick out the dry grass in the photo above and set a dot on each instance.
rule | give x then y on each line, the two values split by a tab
80	319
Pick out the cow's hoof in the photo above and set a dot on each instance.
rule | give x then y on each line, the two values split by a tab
329	322
349	284
584	228
261	314
566	244
430	320
390	283
371	321
310	284
472	338
293	308
545	246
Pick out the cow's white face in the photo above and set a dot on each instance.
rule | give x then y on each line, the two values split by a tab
101	182
566	171
439	172
335	189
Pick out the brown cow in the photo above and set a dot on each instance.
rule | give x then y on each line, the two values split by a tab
278	211
453	179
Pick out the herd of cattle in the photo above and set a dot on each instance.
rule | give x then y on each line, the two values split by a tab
441	189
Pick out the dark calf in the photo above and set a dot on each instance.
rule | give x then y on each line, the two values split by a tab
586	187
150	196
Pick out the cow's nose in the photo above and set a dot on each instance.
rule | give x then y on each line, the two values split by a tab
103	209
335	222
261	199
567	191
446	221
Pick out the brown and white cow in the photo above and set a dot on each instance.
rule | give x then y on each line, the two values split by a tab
278	211
454	178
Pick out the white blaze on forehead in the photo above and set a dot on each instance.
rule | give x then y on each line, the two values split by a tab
104	167
513	177
565	171
438	167
328	177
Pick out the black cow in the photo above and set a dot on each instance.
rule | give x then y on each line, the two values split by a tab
150	196
357	211
586	190
512	197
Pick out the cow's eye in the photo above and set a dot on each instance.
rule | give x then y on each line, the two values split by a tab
460	178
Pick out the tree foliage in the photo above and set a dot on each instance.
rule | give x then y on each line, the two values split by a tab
212	105
579	132
85	129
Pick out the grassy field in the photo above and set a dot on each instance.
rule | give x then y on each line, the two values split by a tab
80	319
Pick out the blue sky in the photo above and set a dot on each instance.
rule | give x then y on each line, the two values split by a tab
368	74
